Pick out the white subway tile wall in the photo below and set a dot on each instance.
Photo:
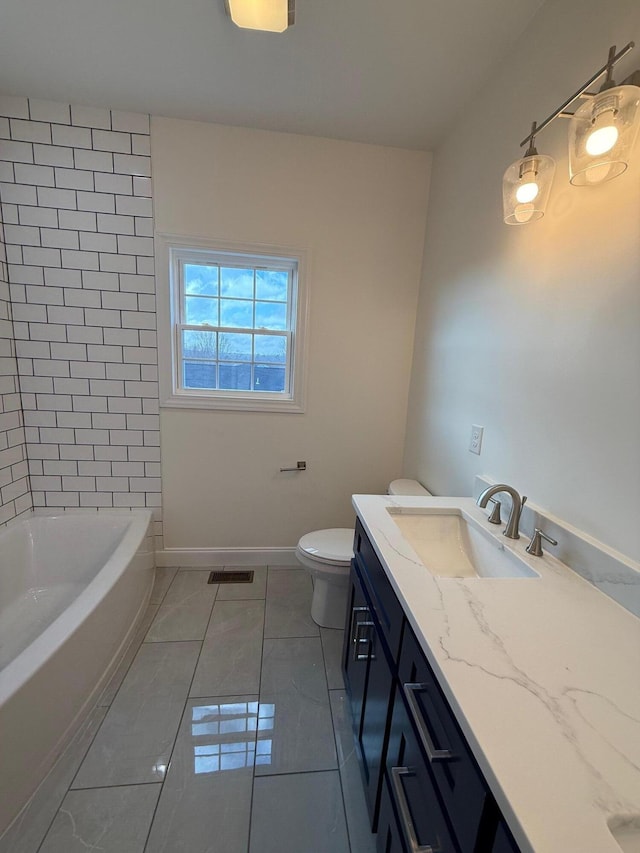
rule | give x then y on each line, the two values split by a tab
15	495
75	190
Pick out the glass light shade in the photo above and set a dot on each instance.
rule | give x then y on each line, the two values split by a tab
525	188
272	16
602	134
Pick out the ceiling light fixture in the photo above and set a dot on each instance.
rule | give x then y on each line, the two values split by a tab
272	16
601	135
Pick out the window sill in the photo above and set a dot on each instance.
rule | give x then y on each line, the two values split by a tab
237	404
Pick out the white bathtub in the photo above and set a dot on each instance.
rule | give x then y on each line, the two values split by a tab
72	590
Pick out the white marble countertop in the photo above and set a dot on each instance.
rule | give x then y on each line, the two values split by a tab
544	677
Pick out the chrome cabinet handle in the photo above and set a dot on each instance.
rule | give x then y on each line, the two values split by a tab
433	754
408	828
356	637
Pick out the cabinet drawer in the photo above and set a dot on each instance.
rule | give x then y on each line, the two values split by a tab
416	819
385	605
458	779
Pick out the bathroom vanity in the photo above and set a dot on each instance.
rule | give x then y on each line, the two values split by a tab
495	696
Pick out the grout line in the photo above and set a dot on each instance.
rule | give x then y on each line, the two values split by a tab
184	710
335	741
344	802
299	773
253	779
121	785
80	763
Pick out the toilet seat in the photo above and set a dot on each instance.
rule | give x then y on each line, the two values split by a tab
332	547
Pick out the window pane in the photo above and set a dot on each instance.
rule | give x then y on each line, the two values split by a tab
236	377
272	284
235	347
271	348
269	378
236	312
198	344
271	315
199	278
236	282
200	310
199	374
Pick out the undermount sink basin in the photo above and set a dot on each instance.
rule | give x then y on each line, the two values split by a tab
452	546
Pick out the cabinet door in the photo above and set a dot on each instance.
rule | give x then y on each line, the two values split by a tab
355	652
375	722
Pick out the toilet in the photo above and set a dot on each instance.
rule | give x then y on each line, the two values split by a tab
326	555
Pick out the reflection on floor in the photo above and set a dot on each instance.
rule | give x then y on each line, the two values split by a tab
225	730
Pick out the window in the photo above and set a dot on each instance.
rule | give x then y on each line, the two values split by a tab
235	326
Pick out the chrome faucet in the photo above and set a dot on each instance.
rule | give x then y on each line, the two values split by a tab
511	530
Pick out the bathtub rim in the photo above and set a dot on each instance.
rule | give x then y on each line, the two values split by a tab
32	658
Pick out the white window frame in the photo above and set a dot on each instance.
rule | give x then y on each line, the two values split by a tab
171	252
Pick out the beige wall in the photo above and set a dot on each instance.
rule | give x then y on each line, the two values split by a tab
360	212
534	332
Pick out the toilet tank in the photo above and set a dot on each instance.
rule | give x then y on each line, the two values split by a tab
407	487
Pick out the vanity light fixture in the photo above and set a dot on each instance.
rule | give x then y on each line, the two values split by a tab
526	185
602	132
601	136
273	16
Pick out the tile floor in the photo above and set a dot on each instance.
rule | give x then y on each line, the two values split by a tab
226	729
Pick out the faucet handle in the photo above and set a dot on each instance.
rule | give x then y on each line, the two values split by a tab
535	546
494	518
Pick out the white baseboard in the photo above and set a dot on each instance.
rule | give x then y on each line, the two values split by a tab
197	557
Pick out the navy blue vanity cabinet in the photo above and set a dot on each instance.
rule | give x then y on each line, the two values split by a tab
374	627
424	789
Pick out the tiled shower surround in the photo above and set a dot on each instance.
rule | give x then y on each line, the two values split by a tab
78	226
14	484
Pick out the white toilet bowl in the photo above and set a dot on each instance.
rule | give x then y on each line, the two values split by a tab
326	555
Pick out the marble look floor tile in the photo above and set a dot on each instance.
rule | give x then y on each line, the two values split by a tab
360	836
117	678
299	812
234	591
185	610
232	650
111	820
205	804
332	641
295	732
288	611
136	738
26	833
162	581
